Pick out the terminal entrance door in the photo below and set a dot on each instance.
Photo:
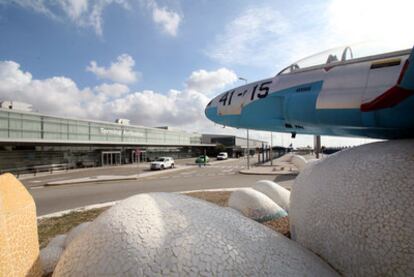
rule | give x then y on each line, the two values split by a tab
109	158
138	156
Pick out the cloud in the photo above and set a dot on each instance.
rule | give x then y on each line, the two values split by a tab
94	17
12	78
89	14
209	81
61	96
268	37
246	40
168	20
38	6
82	13
74	8
176	108
371	20
56	95
121	71
112	90
86	13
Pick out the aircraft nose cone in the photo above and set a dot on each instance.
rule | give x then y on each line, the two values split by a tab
208	110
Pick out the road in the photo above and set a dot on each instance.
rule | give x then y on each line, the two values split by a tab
42	178
63	197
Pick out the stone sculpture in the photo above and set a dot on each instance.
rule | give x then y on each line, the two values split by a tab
19	245
299	161
74	232
277	193
355	209
49	257
161	234
255	205
58	241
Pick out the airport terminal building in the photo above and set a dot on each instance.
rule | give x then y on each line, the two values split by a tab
30	140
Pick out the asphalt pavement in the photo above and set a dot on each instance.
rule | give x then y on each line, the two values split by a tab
30	180
218	175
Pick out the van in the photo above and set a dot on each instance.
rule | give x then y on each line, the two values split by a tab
222	156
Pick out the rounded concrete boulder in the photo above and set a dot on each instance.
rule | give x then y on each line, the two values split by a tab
356	209
299	161
285	158
58	241
49	257
74	232
255	205
161	234
277	193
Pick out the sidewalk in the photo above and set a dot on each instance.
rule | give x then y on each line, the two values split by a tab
279	167
271	170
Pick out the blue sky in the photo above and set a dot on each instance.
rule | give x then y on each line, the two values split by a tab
159	62
53	47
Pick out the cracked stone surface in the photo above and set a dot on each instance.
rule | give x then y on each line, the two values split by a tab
277	193
356	209
255	205
162	234
49	257
58	241
74	232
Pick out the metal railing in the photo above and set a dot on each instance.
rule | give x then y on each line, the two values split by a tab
35	169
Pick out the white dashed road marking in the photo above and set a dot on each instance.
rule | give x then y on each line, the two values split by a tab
188	173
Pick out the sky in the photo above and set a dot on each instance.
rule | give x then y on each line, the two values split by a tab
159	62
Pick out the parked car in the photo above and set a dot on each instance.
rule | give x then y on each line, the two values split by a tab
162	163
222	156
203	159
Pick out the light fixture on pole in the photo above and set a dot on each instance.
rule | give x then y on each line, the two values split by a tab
243	79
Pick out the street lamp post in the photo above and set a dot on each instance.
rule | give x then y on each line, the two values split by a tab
271	148
248	148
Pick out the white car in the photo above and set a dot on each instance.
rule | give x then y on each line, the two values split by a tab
162	163
222	156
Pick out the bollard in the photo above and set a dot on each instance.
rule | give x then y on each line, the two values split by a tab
19	245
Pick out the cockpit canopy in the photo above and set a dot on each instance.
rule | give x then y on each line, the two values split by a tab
339	55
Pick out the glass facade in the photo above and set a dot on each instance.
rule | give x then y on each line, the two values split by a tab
25	126
31	142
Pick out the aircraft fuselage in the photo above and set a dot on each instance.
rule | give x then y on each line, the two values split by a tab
365	97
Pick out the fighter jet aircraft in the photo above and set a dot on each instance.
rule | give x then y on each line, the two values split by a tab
332	93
